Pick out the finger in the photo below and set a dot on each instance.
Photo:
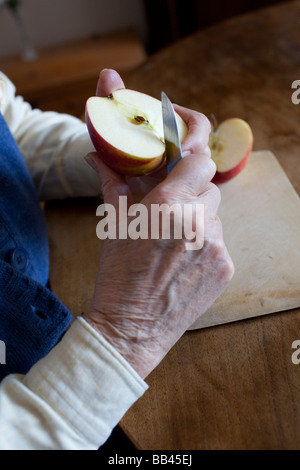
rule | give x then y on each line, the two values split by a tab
206	152
113	185
109	81
199	129
190	176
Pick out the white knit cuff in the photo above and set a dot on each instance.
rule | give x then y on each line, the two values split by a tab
86	382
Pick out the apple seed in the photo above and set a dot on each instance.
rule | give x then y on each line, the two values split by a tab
141	119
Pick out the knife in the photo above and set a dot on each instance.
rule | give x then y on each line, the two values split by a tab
171	136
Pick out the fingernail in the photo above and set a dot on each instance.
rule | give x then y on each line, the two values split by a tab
102	71
186	153
91	162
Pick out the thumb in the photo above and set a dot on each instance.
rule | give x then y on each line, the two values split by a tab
113	185
109	81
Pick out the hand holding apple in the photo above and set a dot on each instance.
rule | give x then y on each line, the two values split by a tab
194	142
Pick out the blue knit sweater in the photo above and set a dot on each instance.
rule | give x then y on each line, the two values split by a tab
32	319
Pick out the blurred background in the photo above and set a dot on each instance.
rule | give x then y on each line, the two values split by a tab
53	49
54	22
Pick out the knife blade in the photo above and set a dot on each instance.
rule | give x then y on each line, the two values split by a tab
171	136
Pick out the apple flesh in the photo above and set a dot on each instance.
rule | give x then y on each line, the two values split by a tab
126	128
231	145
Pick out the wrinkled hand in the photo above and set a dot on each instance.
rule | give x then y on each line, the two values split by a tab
149	292
109	81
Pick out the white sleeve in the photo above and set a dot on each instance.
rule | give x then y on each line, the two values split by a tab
71	399
53	146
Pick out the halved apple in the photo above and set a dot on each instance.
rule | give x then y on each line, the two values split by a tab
231	145
126	128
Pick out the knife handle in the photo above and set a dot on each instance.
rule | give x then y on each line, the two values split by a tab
172	165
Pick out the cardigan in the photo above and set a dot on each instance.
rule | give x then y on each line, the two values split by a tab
32	319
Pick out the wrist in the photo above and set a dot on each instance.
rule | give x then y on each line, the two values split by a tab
143	354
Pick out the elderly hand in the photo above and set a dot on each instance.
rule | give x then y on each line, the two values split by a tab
150	291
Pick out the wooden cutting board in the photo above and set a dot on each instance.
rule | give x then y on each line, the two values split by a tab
260	212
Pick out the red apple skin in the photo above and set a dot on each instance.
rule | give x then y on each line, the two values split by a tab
120	161
223	177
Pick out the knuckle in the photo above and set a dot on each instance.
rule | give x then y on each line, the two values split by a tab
227	270
221	259
209	165
205	122
205	166
207	152
217	248
214	191
199	131
201	119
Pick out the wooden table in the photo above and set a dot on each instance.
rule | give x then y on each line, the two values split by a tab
232	386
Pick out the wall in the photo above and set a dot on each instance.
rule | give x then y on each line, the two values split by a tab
50	22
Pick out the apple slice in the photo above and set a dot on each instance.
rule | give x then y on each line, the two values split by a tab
126	128
231	145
